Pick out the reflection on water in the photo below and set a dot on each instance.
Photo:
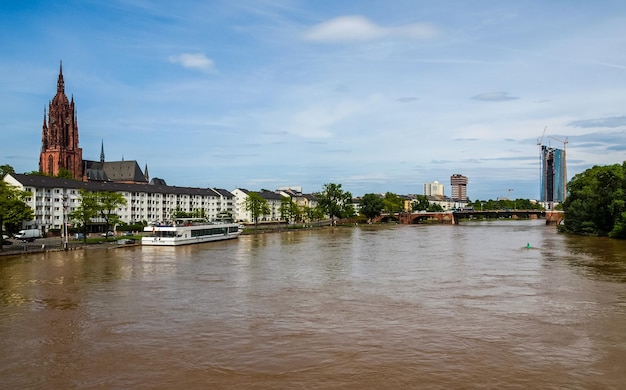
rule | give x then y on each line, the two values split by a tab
599	257
365	307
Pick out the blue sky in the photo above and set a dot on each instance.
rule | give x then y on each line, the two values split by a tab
375	95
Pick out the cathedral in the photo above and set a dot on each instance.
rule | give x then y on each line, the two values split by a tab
59	137
60	150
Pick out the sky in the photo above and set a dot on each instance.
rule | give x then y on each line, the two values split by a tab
378	96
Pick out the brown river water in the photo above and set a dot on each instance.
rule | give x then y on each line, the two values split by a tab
396	307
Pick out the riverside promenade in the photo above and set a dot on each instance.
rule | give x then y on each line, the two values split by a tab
53	244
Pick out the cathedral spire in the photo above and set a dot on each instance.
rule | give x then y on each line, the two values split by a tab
59	143
60	82
102	152
44	133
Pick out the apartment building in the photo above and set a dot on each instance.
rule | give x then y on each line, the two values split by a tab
52	199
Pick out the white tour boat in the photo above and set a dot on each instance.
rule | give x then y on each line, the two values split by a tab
189	231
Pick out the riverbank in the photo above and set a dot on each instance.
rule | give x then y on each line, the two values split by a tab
56	244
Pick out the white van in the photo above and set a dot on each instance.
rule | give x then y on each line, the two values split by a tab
28	235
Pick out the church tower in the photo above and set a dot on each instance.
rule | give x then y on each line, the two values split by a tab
59	137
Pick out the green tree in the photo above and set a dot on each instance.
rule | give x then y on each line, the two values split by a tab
289	210
502	204
13	209
285	208
434	207
371	206
6	169
335	202
179	213
312	213
420	203
65	173
296	211
108	203
257	206
596	204
392	203
318	213
85	212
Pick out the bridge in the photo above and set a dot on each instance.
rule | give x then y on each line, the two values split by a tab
453	217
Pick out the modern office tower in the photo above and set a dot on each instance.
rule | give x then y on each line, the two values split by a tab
553	174
434	189
458	184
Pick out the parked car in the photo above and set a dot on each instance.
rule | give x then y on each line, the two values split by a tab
28	235
7	242
110	234
127	234
79	236
5	237
125	241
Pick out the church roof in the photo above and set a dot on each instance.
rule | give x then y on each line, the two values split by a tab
126	171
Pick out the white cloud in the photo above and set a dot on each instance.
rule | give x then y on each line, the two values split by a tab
193	61
495	97
613	121
358	28
319	121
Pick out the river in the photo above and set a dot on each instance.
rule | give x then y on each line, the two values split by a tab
418	306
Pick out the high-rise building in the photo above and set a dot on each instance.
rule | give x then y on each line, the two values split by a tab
60	151
458	185
434	189
59	136
553	174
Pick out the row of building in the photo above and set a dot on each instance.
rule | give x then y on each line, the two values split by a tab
147	200
458	185
52	199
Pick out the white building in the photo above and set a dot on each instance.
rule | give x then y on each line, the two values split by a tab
434	189
53	198
274	200
239	205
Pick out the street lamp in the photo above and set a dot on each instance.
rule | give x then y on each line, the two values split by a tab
65	238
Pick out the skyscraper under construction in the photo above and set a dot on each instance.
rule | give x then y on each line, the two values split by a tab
553	175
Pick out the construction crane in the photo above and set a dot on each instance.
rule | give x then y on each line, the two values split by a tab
539	143
564	142
540	140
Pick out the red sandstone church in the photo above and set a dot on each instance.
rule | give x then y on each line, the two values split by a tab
60	150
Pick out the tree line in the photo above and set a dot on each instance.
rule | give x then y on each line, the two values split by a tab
596	202
101	204
595	205
332	202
